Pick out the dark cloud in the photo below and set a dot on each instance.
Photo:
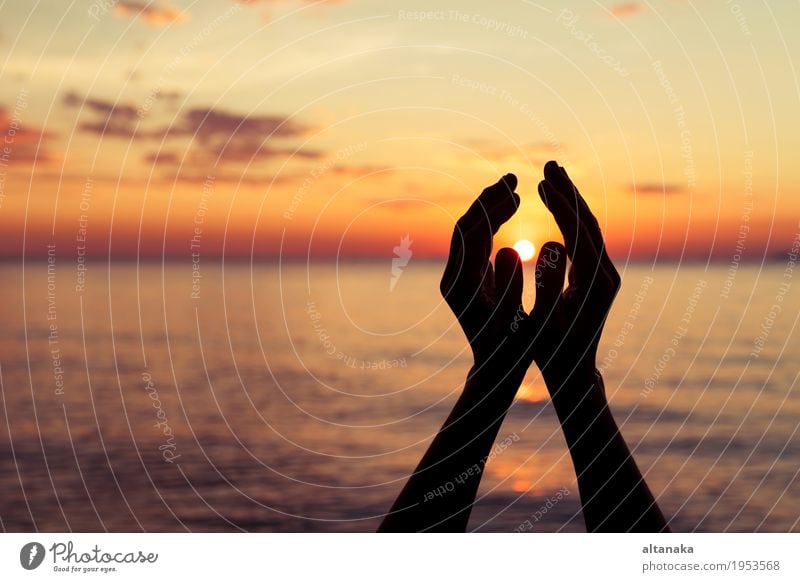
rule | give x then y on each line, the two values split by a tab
163	158
211	125
21	143
215	136
656	188
202	124
214	155
150	13
110	119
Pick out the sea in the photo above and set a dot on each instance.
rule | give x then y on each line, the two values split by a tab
299	396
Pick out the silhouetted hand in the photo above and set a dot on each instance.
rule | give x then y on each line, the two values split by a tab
567	344
614	495
487	301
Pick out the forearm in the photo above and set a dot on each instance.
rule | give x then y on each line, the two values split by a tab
614	495
440	493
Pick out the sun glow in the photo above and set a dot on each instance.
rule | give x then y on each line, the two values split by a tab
525	249
533	392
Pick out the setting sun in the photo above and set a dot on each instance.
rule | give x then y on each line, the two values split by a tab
525	249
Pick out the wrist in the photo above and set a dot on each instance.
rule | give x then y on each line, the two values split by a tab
489	383
581	387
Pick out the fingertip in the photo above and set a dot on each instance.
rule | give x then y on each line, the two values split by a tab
507	256
508	265
552	245
557	175
550	267
508	280
552	254
507	253
499	201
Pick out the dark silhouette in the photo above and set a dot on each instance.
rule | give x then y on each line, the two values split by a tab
560	334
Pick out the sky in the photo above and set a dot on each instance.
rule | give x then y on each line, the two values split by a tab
293	129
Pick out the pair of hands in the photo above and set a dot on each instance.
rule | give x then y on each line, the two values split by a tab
560	334
563	329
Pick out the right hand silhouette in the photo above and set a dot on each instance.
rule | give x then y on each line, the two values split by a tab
567	346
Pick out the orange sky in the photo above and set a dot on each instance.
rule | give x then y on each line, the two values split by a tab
334	129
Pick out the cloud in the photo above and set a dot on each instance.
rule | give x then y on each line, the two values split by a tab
242	153
216	136
22	143
150	14
221	137
211	125
255	2
656	188
163	158
205	125
625	9
111	119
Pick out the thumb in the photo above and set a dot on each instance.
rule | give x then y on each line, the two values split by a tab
508	282
496	204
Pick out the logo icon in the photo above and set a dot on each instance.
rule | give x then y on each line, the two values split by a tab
403	255
31	555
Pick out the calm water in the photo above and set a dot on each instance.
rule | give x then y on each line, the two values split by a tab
299	398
